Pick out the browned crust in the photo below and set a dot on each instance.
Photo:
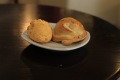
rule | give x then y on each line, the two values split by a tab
40	31
69	30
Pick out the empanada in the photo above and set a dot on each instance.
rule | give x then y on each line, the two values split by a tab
68	30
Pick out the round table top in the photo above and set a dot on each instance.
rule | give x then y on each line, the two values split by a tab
20	60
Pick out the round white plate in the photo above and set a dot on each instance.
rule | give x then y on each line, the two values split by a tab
54	45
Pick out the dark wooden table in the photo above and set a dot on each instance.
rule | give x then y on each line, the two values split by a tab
19	60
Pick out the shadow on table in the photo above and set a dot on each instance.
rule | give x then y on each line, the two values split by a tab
35	55
55	65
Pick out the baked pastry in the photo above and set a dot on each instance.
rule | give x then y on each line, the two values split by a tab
39	31
68	30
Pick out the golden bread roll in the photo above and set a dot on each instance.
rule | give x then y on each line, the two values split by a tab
68	30
39	31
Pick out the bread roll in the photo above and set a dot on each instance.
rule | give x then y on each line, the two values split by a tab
39	31
68	30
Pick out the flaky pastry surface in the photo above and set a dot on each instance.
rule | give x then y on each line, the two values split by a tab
68	30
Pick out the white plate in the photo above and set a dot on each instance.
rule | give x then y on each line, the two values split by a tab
54	45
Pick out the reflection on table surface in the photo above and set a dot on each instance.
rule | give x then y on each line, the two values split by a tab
61	59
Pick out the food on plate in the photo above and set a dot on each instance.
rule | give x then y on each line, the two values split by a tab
68	30
39	31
